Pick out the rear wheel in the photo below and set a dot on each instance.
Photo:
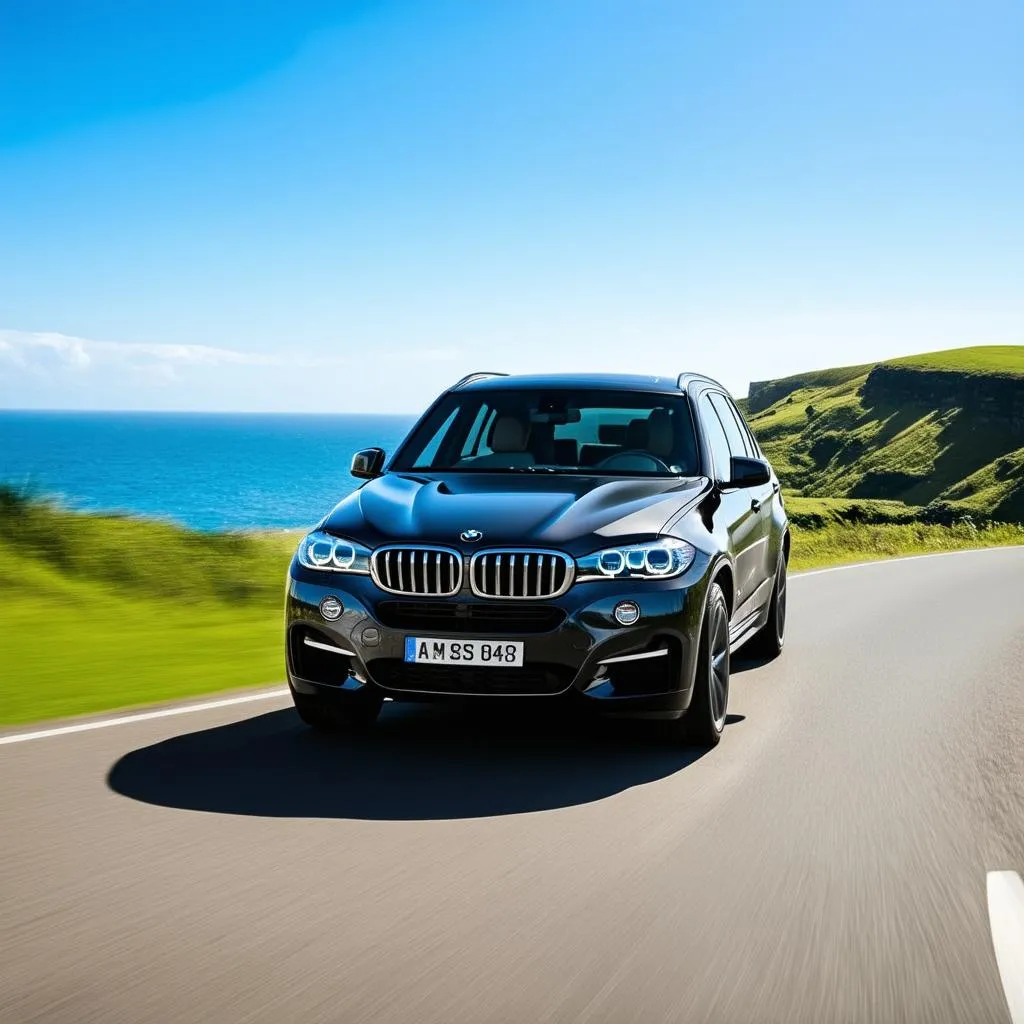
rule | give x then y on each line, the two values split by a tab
772	636
704	721
356	713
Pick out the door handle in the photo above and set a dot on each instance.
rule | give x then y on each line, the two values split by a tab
755	505
775	486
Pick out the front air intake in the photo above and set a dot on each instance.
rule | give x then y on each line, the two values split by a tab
521	575
424	571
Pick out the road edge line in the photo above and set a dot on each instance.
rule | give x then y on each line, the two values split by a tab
141	716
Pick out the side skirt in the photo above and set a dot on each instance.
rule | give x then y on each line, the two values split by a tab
748	628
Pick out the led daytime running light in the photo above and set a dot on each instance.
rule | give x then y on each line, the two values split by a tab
334	554
657	559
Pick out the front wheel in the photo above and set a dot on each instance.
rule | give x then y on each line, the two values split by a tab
357	713
704	721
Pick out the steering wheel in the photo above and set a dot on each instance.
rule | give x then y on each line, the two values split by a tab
609	462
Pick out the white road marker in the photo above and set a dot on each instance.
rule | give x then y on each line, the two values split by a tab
210	705
144	716
1006	917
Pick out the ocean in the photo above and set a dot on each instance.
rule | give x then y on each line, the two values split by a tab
208	471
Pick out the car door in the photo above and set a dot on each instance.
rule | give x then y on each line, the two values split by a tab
736	516
742	443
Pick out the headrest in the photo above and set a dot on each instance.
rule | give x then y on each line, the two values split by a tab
612	433
636	435
660	435
509	434
654	434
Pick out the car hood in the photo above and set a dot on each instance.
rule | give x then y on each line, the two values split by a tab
511	508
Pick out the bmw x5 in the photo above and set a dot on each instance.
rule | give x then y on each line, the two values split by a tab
590	542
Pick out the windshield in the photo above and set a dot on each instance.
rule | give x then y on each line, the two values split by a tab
600	432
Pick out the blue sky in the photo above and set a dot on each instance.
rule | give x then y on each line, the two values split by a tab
345	206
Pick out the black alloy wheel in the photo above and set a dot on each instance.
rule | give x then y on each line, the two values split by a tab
704	721
772	637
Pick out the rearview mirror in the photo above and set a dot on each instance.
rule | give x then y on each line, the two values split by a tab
744	472
368	463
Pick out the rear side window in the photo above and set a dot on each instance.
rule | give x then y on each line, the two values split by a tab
755	450
748	436
717	440
737	442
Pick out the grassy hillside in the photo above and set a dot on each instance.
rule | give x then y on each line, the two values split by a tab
942	431
982	359
99	612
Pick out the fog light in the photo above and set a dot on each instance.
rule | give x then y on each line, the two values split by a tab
627	613
331	608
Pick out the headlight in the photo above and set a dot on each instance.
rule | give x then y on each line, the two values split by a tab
333	554
652	560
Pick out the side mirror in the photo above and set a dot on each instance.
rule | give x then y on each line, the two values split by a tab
744	472
368	463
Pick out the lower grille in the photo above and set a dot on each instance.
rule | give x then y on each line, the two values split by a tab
485	619
531	680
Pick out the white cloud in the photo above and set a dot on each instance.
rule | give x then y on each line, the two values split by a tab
40	350
49	370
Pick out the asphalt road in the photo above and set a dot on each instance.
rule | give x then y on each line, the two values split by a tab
827	862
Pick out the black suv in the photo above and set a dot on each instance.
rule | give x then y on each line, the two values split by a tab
594	541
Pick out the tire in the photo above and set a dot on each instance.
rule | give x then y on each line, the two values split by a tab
703	723
771	638
356	714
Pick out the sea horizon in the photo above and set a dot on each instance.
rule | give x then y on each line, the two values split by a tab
209	471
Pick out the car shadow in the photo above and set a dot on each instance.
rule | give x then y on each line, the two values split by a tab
419	763
743	662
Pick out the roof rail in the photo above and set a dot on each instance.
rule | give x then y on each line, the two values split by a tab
685	378
479	375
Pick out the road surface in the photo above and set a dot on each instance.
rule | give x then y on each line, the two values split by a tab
827	862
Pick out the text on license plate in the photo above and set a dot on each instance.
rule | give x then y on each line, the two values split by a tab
496	653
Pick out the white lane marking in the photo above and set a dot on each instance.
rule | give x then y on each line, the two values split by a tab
144	716
904	558
211	705
1006	917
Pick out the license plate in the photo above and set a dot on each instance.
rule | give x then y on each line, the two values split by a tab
494	653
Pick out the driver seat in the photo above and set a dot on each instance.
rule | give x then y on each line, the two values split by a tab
509	437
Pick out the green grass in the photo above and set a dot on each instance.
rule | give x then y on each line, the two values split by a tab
838	544
73	648
152	558
817	513
100	612
984	359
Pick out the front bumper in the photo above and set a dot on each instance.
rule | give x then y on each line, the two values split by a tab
567	643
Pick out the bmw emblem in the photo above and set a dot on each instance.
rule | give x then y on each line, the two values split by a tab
471	536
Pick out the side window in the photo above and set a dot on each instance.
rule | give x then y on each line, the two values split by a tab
716	439
737	442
